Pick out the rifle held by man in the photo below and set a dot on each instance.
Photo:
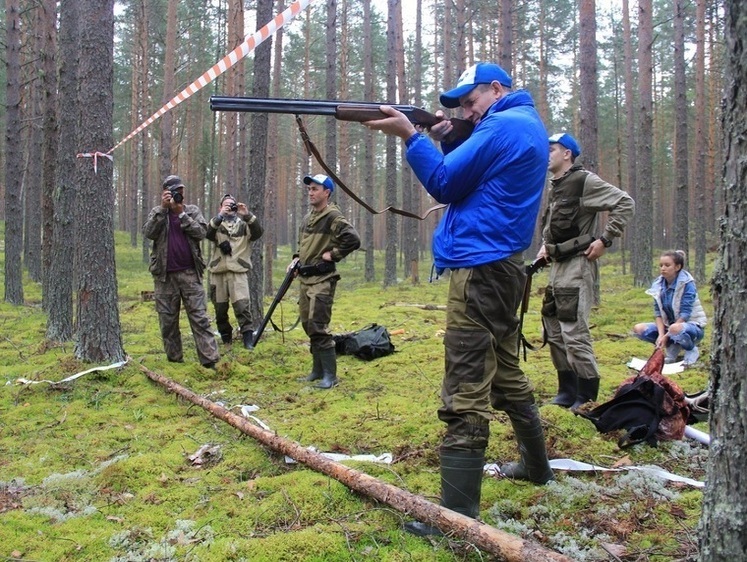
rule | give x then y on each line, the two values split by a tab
284	286
344	111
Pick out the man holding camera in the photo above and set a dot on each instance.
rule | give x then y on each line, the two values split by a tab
176	264
232	231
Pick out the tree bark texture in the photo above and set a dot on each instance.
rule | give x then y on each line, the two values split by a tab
390	254
33	115
588	125
51	138
99	332
64	231
258	157
644	215
681	183
699	148
169	80
13	158
724	520
485	537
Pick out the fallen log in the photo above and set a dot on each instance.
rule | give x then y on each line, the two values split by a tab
416	305
485	537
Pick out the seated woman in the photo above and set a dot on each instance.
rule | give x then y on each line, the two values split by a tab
679	316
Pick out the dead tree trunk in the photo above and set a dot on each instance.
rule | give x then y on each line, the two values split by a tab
483	536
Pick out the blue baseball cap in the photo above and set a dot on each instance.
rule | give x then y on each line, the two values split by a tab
322	180
567	141
480	73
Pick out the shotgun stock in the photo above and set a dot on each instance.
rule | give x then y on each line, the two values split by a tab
344	111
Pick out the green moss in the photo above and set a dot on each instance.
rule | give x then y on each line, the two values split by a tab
124	442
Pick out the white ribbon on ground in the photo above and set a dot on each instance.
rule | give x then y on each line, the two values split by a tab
578	466
116	365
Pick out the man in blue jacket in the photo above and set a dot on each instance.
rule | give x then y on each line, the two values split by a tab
492	183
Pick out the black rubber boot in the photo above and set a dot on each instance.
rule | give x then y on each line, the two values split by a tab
588	390
530	436
316	369
328	361
226	338
567	389
248	338
461	483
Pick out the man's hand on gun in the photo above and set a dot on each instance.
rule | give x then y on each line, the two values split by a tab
293	266
398	124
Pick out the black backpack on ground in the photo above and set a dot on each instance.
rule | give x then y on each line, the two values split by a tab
368	343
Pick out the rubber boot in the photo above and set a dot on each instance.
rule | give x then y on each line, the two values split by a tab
567	389
328	361
248	338
461	483
316	369
530	436
588	390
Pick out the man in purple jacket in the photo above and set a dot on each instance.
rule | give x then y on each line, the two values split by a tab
492	183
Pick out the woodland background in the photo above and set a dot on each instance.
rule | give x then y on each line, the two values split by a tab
640	83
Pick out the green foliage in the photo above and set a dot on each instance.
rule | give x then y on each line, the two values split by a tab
99	468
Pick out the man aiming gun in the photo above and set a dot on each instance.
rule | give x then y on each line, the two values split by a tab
492	183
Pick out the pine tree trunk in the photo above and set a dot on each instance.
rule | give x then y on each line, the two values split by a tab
390	254
64	231
588	81
724	519
368	158
13	158
51	137
681	184
700	148
258	157
644	216
632	167
99	333
169	70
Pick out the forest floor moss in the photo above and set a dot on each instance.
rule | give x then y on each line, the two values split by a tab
99	468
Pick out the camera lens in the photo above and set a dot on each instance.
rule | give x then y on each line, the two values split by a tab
177	197
233	207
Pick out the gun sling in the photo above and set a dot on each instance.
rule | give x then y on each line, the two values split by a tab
312	150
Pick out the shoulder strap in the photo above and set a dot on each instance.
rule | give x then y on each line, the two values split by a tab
313	151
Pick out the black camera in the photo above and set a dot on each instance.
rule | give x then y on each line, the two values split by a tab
225	248
234	207
175	195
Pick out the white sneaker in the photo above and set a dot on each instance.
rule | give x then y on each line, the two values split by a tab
673	352
691	357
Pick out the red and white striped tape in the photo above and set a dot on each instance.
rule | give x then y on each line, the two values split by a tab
250	43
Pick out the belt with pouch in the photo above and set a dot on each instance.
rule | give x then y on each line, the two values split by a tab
569	248
320	268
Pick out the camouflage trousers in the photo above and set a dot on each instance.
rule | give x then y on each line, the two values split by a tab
565	316
481	351
234	288
184	287
315	308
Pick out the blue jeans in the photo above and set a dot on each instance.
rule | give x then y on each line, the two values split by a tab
687	339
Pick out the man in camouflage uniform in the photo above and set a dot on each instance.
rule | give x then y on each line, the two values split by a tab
176	264
232	231
325	238
569	238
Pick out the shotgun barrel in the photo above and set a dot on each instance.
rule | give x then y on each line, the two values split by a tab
357	111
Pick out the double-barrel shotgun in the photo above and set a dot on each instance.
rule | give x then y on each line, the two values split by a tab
343	111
